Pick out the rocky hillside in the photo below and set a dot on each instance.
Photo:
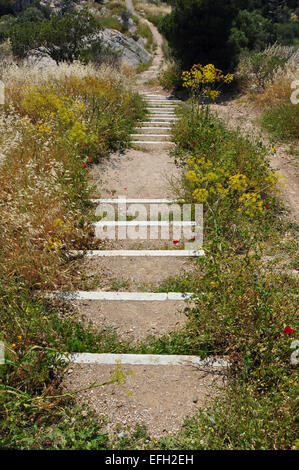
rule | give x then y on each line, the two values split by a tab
119	36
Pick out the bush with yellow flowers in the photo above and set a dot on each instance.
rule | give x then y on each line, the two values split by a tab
226	172
214	184
204	81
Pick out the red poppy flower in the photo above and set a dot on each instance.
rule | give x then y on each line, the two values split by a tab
84	165
175	242
192	143
267	207
192	239
222	140
288	330
90	159
125	189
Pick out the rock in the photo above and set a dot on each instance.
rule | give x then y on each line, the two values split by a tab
195	400
131	51
128	23
121	435
39	58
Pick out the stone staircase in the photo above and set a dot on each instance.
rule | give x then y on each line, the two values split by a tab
165	388
157	130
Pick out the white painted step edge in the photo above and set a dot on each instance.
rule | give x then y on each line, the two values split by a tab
149	135
165	142
143	223
145	360
136	253
123	296
156	127
135	201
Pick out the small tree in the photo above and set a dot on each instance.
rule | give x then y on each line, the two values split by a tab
62	37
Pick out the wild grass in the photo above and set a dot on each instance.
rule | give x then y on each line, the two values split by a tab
267	79
244	308
150	9
170	75
55	124
111	23
145	32
282	122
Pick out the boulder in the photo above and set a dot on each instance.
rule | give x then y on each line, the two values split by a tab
131	50
39	58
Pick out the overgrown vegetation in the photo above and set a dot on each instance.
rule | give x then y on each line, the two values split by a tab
53	127
268	80
246	307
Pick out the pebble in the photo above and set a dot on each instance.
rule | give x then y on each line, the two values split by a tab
195	399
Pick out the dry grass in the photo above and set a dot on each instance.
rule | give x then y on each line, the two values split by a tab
277	89
151	9
55	123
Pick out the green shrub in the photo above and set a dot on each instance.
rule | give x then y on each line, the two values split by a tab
170	75
227	173
111	23
264	67
145	32
156	20
63	37
198	32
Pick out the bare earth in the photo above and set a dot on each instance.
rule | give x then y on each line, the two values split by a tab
160	397
132	320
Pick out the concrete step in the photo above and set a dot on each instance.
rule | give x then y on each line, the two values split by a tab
138	253
148	360
164	108
156	124
156	114
152	129
134	201
152	99
161	111
150	145
118	296
151	137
